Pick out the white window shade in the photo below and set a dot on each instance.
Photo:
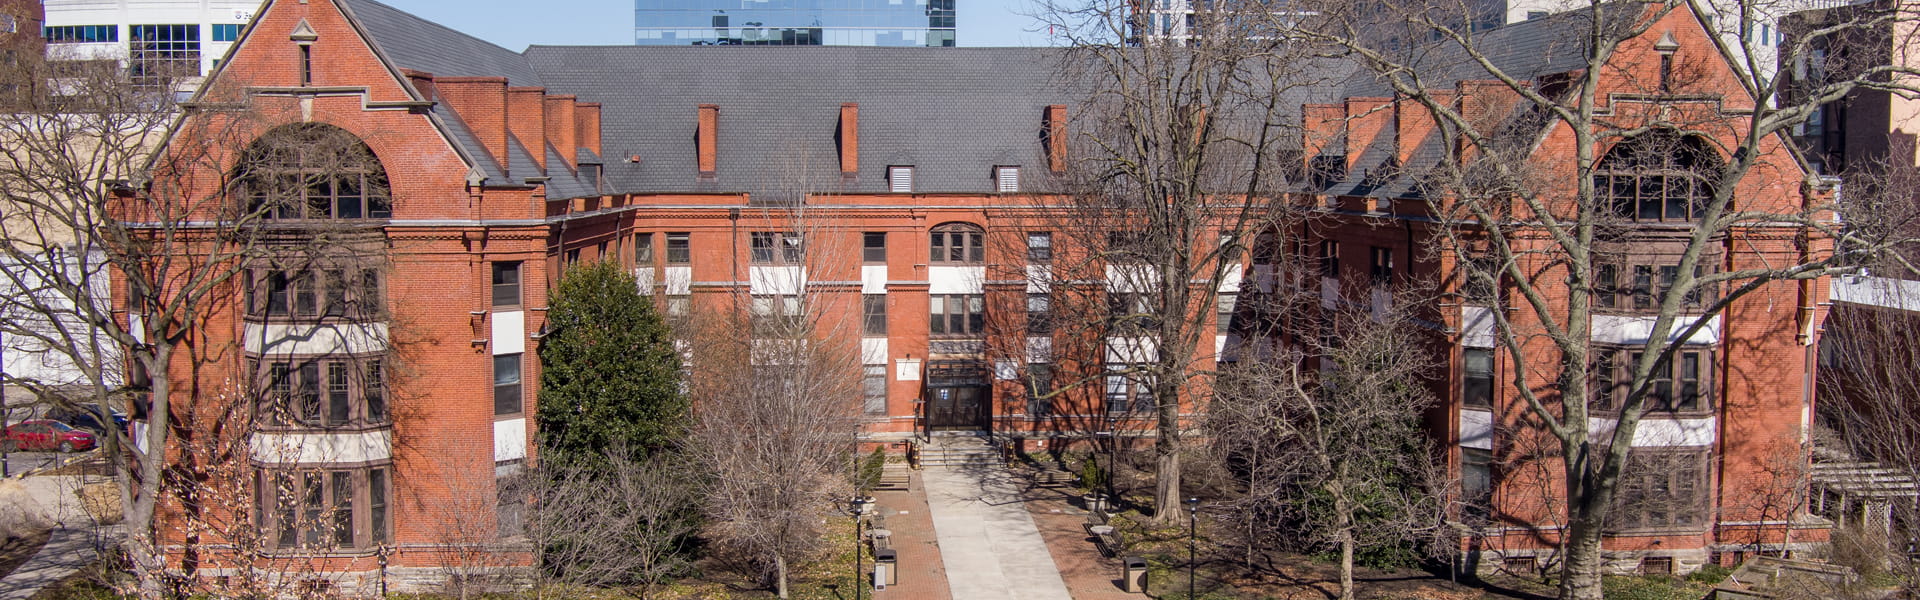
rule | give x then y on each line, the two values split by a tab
1006	179
899	179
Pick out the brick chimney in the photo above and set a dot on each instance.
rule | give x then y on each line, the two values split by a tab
422	81
586	125
706	139
527	121
849	139
1367	122
561	128
482	104
1056	138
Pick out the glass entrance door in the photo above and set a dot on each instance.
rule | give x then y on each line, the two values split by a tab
958	407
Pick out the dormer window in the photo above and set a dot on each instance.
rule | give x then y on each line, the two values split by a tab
900	179
1006	179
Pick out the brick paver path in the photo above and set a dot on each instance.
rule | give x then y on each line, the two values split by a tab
1089	575
922	574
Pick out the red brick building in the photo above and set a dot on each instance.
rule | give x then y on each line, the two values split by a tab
1718	469
396	389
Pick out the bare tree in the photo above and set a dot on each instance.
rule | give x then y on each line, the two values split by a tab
1326	439
1166	174
1870	387
1548	232
133	223
765	373
628	522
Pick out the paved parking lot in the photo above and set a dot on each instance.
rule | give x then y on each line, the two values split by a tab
17	462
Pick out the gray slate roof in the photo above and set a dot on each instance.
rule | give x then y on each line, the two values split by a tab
422	45
952	113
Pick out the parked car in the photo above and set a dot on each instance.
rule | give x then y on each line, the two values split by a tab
46	434
89	418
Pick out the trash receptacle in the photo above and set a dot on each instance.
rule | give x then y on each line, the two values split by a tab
886	568
1133	577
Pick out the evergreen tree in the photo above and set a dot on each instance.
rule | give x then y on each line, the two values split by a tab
609	374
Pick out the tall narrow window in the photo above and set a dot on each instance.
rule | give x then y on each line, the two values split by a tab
377	506
1039	247
643	249
679	248
1477	390
306	303
342	508
339	401
306	65
335	288
506	384
307	393
873	247
1666	72
376	392
1688	377
1603	381
1382	268
1039	386
1224	305
506	283
1329	259
1476	479
874	314
1607	285
1039	314
873	389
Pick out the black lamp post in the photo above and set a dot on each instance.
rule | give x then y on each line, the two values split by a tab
1193	524
853	508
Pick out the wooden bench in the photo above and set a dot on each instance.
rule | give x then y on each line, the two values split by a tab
1053	478
894	479
1106	538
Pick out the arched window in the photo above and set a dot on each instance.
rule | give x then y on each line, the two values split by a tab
313	171
958	243
1657	176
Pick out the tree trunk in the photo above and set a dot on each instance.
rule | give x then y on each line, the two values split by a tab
140	489
780	575
1343	511
1166	449
1580	579
1166	486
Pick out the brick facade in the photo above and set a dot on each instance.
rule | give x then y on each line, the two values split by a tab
486	170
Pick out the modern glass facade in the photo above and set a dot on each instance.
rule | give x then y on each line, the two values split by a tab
794	22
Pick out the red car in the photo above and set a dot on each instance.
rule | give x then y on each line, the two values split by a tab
42	434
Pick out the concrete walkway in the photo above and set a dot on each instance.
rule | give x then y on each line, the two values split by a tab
73	543
67	550
988	542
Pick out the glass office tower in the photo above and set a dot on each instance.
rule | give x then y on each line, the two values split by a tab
794	22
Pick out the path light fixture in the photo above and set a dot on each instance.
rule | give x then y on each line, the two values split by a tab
1193	524
854	505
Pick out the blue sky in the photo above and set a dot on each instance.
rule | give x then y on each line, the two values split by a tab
516	24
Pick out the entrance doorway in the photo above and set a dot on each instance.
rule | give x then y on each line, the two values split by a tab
957	407
958	395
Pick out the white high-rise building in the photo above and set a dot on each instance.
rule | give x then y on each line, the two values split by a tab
187	37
